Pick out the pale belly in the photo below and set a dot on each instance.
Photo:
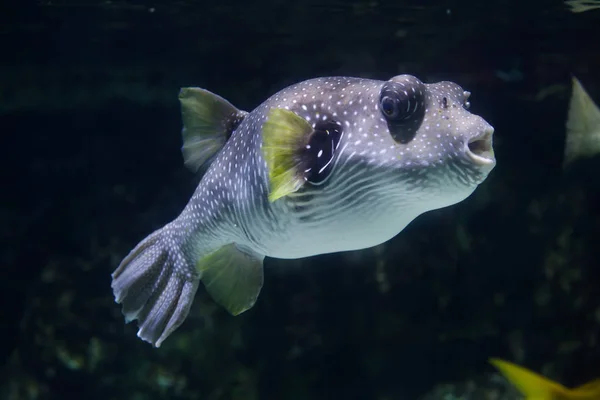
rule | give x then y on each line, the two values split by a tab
300	240
358	230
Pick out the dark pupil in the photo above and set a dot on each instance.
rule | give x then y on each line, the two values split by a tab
388	106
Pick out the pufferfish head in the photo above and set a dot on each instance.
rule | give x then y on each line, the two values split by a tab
421	132
392	137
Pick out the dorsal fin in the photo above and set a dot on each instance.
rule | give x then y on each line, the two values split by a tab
208	121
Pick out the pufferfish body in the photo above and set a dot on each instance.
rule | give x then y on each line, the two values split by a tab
325	165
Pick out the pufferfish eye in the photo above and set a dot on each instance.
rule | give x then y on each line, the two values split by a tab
389	106
402	103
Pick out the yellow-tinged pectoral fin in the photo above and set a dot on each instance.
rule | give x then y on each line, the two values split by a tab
533	386
284	135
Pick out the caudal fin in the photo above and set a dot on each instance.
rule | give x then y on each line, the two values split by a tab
156	286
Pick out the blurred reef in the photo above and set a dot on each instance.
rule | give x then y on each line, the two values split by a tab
91	164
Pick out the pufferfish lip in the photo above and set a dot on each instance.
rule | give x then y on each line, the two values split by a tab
479	149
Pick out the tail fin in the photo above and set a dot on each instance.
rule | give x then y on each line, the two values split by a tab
156	286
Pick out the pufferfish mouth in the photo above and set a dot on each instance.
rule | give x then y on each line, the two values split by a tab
480	150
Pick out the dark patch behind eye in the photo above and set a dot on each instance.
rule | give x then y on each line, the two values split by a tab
320	150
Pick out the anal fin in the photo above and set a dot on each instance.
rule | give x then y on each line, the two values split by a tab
233	277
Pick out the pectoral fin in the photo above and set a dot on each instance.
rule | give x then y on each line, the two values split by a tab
297	152
284	134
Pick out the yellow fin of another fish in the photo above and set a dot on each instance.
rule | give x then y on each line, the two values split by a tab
284	134
233	277
583	125
208	121
533	386
591	389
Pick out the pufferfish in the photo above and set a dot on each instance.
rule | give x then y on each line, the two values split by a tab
326	165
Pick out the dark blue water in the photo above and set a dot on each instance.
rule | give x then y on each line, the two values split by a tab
90	164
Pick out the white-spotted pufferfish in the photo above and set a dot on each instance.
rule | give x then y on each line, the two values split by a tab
325	165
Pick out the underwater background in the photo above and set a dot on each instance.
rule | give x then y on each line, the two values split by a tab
91	163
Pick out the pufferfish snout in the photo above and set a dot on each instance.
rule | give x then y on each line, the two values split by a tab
325	165
475	132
